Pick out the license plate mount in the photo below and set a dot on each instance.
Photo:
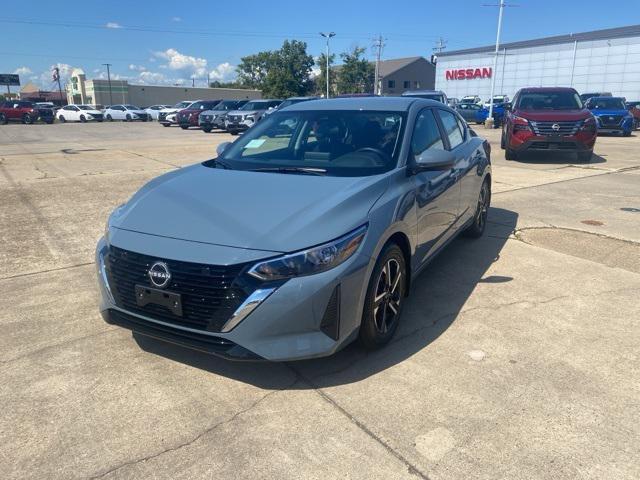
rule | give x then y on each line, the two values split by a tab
146	295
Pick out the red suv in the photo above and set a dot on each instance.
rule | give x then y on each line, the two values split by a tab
188	117
548	120
25	112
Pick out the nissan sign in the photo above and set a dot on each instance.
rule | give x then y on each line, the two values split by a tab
468	73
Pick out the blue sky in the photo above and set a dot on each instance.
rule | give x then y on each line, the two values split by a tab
166	42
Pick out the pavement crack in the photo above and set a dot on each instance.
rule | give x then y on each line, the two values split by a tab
414	470
196	438
28	274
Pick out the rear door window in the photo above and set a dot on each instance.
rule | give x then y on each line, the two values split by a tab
451	128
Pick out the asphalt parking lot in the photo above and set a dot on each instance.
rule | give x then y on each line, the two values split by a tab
517	356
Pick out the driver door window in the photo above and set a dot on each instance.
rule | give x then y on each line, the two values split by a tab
426	134
451	128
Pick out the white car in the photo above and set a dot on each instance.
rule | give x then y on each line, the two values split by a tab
167	116
154	110
127	113
79	113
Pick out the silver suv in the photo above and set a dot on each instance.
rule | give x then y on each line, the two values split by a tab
244	118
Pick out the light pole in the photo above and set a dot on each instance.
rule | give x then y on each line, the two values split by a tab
495	63
109	80
328	36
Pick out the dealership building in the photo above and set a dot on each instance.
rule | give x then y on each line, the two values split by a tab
80	90
598	61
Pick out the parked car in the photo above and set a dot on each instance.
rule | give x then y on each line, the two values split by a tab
548	119
288	102
473	99
612	115
24	111
634	109
188	117
126	113
586	96
214	118
498	100
452	102
472	112
79	113
154	110
251	112
167	116
369	190
436	95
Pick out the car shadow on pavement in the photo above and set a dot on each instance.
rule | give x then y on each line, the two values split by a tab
556	158
437	297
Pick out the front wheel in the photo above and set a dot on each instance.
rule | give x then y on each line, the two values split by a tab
165	125
206	130
510	154
3	119
62	119
184	127
128	118
27	119
109	118
384	299
83	119
476	229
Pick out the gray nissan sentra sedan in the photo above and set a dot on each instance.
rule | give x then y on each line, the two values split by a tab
301	236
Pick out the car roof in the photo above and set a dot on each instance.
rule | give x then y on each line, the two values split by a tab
412	92
393	104
548	89
604	97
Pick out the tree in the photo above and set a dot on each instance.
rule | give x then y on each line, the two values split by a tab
356	73
321	80
234	84
281	73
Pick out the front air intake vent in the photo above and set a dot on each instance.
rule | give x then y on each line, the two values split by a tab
330	324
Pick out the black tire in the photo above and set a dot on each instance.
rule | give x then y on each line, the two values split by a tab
49	122
584	157
233	132
127	118
3	119
206	130
510	154
166	125
109	118
502	142
380	318
62	119
476	229
626	133
27	119
184	127
83	119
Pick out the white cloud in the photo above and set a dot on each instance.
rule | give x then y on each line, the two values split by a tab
153	78
136	68
23	71
113	25
186	64
176	19
315	71
223	72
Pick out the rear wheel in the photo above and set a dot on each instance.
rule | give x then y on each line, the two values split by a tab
109	118
27	119
384	299
3	119
83	119
128	118
476	229
206	130
62	119
584	157
165	124
184	127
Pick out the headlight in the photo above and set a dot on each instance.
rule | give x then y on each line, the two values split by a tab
314	260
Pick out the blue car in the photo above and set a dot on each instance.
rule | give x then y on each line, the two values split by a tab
611	115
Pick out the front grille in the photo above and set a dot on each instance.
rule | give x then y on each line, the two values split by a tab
234	118
162	116
610	120
209	293
564	129
97	116
553	146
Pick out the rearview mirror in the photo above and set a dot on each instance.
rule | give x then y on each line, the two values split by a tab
432	160
222	147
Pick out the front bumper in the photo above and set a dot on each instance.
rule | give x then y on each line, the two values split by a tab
287	325
553	143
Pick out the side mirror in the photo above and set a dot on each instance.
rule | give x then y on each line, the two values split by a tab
432	160
507	107
222	147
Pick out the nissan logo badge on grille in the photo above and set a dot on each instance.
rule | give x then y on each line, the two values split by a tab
555	127
159	274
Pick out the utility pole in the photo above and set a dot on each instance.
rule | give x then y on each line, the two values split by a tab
109	80
328	36
193	81
502	4
378	45
441	44
56	77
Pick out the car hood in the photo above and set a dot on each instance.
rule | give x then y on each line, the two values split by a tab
554	115
253	210
169	110
137	112
92	112
244	112
600	112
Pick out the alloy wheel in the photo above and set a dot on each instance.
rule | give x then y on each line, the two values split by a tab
388	295
483	206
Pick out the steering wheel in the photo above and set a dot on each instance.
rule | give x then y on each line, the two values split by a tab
381	153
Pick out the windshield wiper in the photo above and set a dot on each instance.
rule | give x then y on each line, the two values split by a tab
222	163
303	170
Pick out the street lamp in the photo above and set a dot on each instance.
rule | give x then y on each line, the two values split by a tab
328	36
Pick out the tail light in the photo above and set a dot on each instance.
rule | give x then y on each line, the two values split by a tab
521	124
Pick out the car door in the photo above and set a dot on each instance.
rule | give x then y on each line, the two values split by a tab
73	112
437	194
14	113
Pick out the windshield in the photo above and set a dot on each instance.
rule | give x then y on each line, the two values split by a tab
131	107
606	103
85	107
293	101
225	105
182	105
255	106
336	143
549	101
